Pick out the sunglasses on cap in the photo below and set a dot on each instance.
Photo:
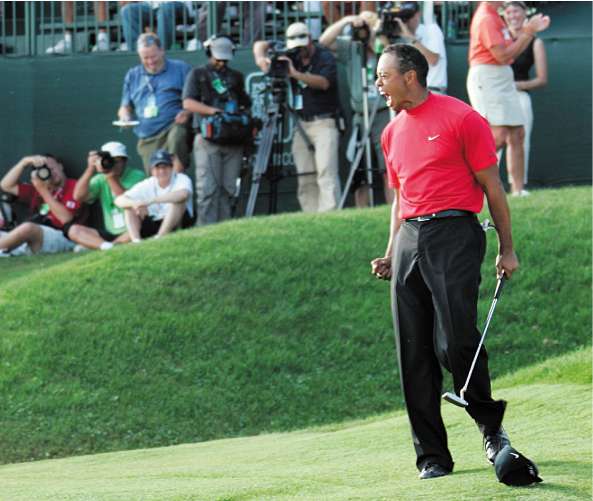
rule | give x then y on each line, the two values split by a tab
297	37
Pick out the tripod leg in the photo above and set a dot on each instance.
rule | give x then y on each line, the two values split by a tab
262	160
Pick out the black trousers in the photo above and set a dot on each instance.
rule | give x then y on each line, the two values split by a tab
436	277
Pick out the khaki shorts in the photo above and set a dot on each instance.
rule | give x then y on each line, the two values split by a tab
493	94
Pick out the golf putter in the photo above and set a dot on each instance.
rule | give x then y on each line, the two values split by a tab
459	400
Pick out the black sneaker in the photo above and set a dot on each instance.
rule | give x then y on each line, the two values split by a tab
494	442
433	471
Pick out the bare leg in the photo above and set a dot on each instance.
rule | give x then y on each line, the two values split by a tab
83	235
500	133
173	219
361	196
516	158
133	222
29	233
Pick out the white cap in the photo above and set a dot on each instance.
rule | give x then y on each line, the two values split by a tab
115	149
297	35
221	48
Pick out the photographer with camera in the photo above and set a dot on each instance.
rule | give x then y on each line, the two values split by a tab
215	93
49	196
106	177
312	71
363	28
404	25
159	204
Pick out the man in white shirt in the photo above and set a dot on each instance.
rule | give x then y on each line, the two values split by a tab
160	204
429	40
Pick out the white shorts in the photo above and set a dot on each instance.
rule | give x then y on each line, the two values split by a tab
53	241
493	94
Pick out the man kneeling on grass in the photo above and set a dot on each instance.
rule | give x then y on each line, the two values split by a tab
160	204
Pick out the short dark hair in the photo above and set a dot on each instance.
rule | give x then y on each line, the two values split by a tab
409	58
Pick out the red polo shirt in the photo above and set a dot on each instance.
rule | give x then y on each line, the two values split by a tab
487	30
432	151
28	194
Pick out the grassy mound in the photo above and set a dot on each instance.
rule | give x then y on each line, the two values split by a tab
263	325
368	459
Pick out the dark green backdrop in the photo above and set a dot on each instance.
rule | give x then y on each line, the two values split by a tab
65	105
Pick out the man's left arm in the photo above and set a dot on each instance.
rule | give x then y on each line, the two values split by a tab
55	206
489	179
431	57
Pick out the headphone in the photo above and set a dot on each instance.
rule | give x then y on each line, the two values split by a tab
208	43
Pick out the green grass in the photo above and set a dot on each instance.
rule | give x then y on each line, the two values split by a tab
549	421
272	324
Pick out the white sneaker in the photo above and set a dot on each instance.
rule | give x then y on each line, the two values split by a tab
4	254
193	45
79	248
102	43
522	193
123	47
63	46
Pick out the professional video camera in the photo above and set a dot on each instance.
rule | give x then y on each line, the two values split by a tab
107	161
392	11
42	172
279	67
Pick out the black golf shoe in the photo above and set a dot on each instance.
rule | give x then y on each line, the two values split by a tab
433	471
494	442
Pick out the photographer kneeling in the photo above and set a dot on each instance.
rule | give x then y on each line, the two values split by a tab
160	204
216	95
313	73
106	177
50	198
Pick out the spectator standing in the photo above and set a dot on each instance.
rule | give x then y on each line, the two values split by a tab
490	85
441	162
313	76
161	203
135	16
50	200
152	93
515	14
341	33
106	177
211	89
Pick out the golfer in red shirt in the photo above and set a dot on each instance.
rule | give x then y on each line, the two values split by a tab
441	161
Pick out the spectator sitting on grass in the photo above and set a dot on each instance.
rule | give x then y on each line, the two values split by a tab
160	204
50	199
106	177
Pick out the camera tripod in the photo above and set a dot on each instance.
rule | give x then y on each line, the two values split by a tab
363	146
268	159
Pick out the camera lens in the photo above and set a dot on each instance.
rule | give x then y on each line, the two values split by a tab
43	172
107	161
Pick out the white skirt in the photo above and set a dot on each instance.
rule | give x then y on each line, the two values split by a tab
493	94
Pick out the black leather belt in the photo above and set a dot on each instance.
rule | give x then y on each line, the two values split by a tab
311	118
442	90
441	215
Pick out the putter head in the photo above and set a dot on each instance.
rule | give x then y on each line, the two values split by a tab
454	399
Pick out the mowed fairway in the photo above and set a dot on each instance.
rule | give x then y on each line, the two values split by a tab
371	459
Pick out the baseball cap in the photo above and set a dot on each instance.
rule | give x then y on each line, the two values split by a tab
513	468
160	157
115	149
297	35
221	48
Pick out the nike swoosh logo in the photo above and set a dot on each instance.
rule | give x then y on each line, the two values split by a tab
432	138
514	455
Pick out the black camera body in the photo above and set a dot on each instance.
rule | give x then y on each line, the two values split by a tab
43	172
107	161
361	34
389	26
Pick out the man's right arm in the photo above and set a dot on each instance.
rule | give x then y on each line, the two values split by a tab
332	32
381	267
81	189
10	181
260	54
125	111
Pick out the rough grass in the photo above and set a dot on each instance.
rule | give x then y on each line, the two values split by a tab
271	324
